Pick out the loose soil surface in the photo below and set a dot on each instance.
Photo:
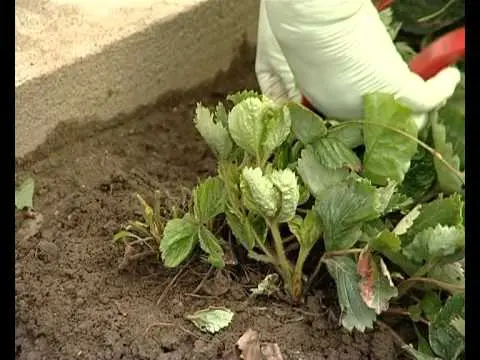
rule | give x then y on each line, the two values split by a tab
74	301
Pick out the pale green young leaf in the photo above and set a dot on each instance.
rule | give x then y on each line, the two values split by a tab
24	194
384	196
459	324
387	153
239	96
286	183
334	154
214	133
212	319
179	239
209	244
435	243
343	209
209	199
449	182
306	125
355	313
386	240
446	341
246	124
376	286
407	221
307	230
277	128
259	193
315	175
444	211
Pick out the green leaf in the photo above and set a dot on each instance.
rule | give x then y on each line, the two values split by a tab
286	183
419	355
386	240
24	194
406	51
306	125
307	230
452	273
211	320
315	175
350	136
259	126
239	96
436	243
355	313
122	235
445	340
459	324
387	153
334	154
209	243
407	221
221	115
423	345
452	116
179	239
209	199
376	286
430	305
259	193
449	182
343	209
241	230
421	176
445	211
215	134
393	27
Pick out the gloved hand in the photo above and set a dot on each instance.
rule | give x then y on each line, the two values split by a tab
336	51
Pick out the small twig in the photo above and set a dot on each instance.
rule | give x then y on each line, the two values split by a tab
201	296
396	338
400	311
172	282
202	282
406	284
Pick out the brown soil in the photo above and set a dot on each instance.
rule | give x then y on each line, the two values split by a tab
73	302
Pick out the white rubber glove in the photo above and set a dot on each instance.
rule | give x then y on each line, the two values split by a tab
273	73
339	50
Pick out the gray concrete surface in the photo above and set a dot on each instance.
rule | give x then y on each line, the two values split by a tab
86	59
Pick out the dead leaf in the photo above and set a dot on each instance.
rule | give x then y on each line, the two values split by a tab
250	348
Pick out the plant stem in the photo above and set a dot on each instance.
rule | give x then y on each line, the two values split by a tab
298	272
405	285
431	150
325	256
436	13
400	311
280	252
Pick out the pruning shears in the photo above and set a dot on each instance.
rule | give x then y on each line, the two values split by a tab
444	51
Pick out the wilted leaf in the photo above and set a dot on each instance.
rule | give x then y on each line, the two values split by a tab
307	230
209	243
211	320
24	194
387	153
317	176
448	180
334	154
306	125
268	286
209	199
376	286
179	238
355	313
435	243
459	324
214	134
343	209
445	340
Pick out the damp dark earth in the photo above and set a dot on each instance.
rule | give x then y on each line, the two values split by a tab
80	296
